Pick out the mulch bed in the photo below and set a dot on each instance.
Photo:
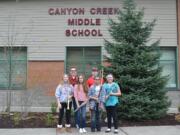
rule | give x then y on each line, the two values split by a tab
48	120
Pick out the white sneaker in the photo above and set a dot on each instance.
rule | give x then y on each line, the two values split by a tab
80	130
108	130
116	131
68	125
84	130
59	126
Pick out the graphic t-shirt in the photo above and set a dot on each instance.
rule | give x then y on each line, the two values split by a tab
108	88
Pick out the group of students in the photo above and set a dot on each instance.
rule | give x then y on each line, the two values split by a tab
95	93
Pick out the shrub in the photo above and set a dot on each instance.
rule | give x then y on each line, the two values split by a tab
53	107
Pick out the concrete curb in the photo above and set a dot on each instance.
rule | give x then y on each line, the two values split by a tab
147	130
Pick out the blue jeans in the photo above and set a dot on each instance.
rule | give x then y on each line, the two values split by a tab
76	113
82	116
95	118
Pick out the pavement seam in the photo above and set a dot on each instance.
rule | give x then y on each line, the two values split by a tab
123	131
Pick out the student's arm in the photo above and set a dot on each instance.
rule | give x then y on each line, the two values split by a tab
90	94
94	98
77	103
103	94
58	94
58	103
118	93
75	96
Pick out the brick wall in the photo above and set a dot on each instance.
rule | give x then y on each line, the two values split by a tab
44	75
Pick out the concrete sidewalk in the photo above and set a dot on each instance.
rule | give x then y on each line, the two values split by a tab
148	130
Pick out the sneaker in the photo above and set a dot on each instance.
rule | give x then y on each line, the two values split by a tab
80	130
59	126
116	131
92	130
108	130
68	125
84	130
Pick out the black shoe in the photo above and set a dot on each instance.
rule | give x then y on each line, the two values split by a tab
98	130
92	130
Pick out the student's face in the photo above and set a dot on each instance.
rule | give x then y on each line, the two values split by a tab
97	81
73	72
110	79
94	73
81	79
65	78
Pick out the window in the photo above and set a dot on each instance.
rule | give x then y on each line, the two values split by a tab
13	71
168	62
83	58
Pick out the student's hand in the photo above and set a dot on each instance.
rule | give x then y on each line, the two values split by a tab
77	105
59	105
102	107
107	97
111	93
86	100
69	97
96	98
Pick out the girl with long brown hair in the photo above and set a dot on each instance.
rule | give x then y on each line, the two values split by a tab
80	94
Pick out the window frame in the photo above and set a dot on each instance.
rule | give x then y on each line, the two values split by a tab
176	66
25	59
66	54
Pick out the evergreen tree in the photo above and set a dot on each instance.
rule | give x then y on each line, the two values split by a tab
134	62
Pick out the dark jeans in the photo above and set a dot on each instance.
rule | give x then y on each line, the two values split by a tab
68	113
96	118
82	116
112	113
76	113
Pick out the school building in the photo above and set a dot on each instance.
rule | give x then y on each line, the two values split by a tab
42	39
